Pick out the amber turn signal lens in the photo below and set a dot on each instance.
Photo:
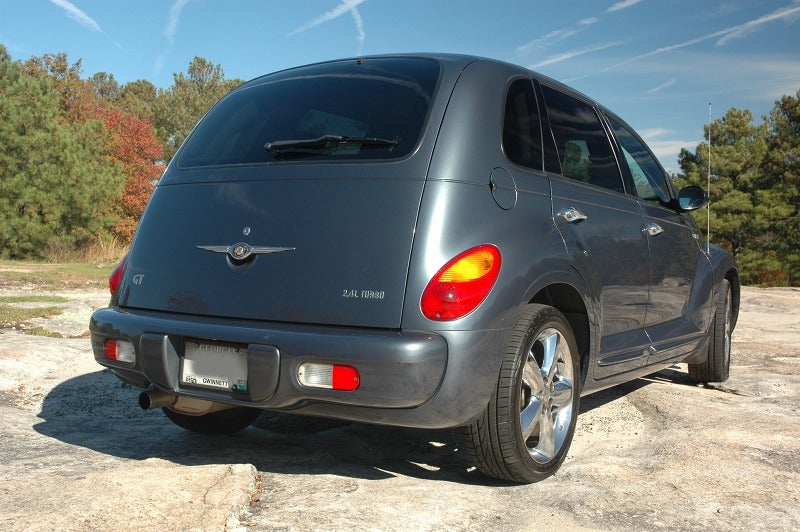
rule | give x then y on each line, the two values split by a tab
462	284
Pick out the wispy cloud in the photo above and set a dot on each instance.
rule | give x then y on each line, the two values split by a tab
174	18
77	15
575	53
663	86
545	41
554	37
347	6
624	4
665	146
723	35
738	32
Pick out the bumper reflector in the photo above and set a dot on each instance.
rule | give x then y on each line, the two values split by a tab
329	376
119	350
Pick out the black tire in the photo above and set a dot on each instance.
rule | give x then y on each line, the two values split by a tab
494	442
228	421
717	366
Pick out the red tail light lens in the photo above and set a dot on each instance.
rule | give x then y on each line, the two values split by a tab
329	376
116	277
462	284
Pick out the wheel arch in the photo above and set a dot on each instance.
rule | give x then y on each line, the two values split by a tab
567	299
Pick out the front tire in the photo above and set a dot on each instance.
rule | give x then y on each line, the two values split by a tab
228	421
717	366
526	430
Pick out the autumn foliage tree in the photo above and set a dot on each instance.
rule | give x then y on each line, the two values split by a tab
75	170
134	146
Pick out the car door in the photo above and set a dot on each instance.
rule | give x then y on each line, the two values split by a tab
601	227
679	304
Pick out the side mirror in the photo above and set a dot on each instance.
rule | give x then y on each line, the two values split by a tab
692	198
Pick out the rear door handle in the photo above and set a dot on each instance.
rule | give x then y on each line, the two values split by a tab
571	214
653	229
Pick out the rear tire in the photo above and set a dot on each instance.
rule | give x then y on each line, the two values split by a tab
228	421
526	430
717	366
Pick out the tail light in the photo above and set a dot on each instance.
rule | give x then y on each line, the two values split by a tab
462	284
330	376
119	350
116	276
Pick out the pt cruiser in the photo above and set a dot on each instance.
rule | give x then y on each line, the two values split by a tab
421	241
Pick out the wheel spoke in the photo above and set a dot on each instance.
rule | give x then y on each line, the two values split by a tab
562	394
546	448
532	376
529	418
550	344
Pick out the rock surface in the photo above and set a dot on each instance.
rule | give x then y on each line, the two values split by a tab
658	453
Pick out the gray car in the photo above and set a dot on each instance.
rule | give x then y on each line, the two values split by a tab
420	241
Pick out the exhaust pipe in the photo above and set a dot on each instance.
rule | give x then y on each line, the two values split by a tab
150	399
154	398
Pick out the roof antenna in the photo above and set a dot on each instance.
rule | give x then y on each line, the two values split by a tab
708	187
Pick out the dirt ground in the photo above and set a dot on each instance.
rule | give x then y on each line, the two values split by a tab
655	454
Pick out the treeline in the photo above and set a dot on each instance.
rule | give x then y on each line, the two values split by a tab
754	191
79	156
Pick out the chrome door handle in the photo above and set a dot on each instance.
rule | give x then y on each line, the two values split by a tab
653	229
571	214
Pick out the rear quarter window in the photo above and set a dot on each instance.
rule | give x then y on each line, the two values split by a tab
387	98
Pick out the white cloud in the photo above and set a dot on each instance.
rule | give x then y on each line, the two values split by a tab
545	41
359	28
174	18
624	4
77	15
575	53
728	33
663	86
588	21
747	28
666	149
347	6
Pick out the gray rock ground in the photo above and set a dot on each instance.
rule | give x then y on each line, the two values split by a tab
658	453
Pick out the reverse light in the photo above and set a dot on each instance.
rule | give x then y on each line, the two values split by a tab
116	276
462	284
119	350
329	376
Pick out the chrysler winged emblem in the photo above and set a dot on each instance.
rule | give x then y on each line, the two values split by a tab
241	250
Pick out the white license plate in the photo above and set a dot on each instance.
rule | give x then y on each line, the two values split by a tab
214	365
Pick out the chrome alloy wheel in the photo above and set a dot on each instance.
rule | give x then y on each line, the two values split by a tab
547	395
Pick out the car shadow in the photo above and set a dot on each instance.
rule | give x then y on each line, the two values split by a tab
98	412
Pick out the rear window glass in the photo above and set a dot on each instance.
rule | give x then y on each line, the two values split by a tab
370	109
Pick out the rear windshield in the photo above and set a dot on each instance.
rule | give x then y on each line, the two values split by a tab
367	109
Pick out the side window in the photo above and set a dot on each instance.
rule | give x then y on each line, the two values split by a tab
522	136
648	177
582	143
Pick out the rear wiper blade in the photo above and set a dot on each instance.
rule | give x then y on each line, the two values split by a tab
325	144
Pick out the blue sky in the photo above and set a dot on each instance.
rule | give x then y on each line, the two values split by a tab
657	63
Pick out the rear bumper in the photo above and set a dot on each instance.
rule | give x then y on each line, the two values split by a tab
406	378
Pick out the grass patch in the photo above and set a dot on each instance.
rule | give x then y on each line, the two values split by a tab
41	331
32	299
13	309
11	315
55	276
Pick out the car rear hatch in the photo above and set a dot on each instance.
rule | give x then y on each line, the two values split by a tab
294	200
